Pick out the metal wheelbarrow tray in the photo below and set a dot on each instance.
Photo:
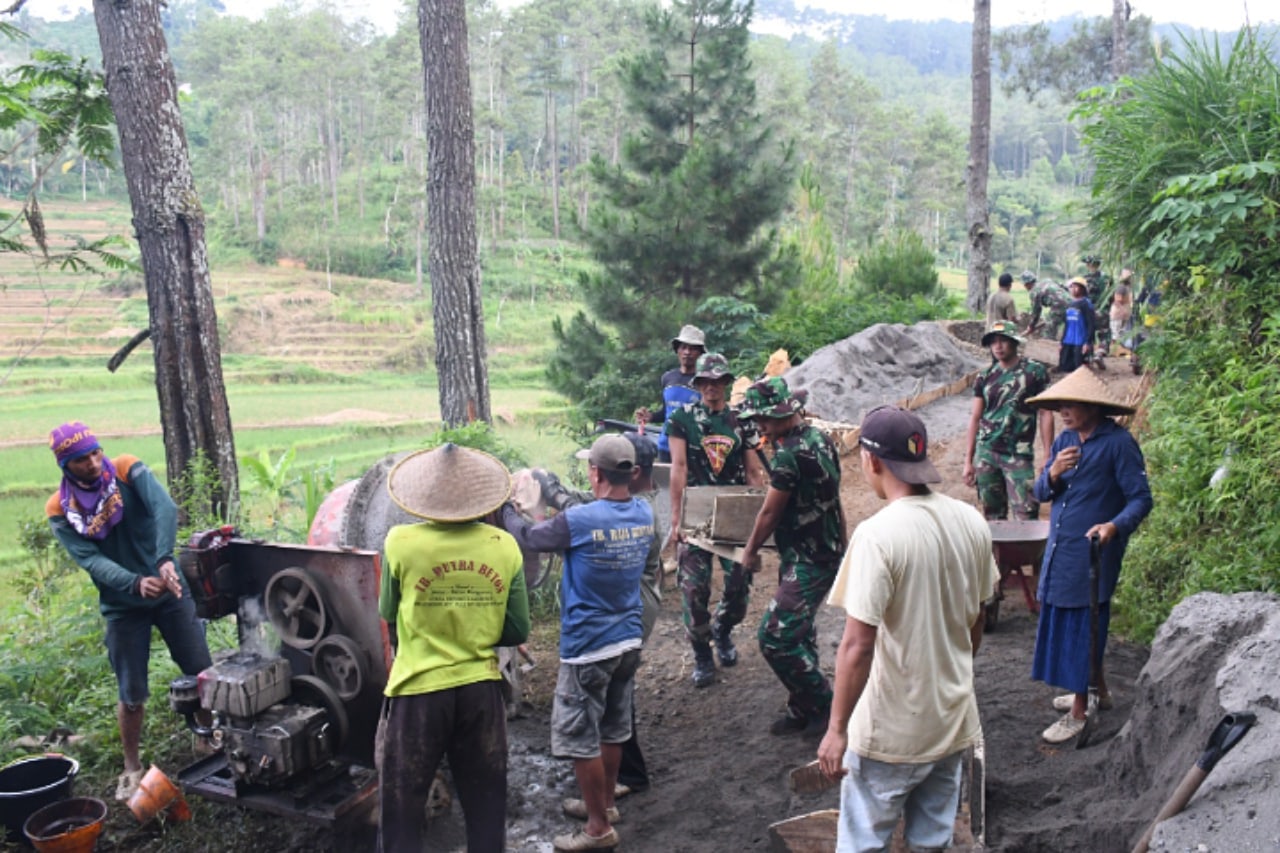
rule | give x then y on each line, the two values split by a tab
1016	543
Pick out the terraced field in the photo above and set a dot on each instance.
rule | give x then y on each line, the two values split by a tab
337	368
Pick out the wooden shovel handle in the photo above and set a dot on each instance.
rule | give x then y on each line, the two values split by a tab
1177	802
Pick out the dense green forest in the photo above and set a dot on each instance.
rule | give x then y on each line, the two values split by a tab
307	131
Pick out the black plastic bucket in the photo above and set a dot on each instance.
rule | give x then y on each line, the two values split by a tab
29	784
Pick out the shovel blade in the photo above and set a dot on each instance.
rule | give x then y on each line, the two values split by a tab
1090	721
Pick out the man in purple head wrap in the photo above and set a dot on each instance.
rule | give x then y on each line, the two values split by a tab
120	525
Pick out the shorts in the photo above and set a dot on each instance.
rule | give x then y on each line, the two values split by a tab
875	794
128	639
593	705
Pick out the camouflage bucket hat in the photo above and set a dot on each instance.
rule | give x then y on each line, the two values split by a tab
712	367
1092	259
1004	329
1028	277
771	398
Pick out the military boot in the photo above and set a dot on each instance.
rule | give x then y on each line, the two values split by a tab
704	668
725	649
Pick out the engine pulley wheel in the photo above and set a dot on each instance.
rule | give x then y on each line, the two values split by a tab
309	690
340	663
296	607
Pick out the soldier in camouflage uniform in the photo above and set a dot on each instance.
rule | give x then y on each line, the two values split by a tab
709	448
999	450
1098	289
1050	300
802	512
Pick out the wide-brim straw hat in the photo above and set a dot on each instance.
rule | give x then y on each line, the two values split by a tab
1082	386
449	484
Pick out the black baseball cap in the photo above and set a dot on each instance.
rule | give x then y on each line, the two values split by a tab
899	438
646	450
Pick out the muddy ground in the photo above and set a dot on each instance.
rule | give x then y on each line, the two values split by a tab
720	778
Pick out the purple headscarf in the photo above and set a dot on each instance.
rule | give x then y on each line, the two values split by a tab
92	509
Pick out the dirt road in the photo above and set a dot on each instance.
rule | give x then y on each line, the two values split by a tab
719	776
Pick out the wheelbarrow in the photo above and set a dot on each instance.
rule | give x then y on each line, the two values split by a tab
1015	544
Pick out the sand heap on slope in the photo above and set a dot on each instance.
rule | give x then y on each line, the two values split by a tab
1214	654
885	363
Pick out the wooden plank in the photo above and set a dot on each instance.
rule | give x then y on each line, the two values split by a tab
720	549
810	833
809	779
846	435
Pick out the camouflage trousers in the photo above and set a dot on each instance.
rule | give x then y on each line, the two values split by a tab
694	577
1051	326
1004	484
789	638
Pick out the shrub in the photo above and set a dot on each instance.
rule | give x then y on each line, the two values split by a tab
900	266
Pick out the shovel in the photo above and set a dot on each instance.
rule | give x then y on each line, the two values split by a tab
1225	736
1095	665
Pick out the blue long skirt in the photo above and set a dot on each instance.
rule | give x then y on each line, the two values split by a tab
1062	646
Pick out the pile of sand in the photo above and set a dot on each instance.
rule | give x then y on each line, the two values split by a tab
1215	654
881	364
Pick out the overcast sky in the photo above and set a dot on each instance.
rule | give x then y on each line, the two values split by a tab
1208	14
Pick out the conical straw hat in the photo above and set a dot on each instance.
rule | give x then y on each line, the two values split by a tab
449	483
1082	386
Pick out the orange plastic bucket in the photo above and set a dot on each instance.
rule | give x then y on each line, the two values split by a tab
157	793
67	826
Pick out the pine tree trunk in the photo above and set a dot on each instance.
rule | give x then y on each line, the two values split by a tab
979	160
452	262
553	155
169	224
1119	39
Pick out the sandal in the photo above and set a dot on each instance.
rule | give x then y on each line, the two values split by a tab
582	841
128	783
1063	730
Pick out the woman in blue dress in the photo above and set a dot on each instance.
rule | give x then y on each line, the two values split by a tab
1096	480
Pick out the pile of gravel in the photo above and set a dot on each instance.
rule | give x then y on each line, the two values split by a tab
885	363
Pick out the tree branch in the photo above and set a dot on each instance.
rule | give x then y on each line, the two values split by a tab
121	354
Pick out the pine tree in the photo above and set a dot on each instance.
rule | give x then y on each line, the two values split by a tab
686	212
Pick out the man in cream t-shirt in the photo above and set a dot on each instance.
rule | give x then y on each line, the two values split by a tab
912	585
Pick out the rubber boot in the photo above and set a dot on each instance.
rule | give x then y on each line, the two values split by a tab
704	668
725	649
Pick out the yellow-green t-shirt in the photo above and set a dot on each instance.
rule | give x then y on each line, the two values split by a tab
447	588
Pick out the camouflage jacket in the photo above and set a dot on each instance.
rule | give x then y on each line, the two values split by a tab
1098	287
1049	298
716	446
806	465
1007	426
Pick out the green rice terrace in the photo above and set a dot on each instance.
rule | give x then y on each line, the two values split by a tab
325	374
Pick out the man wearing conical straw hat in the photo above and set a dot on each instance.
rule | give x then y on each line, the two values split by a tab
452	589
1096	479
605	544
